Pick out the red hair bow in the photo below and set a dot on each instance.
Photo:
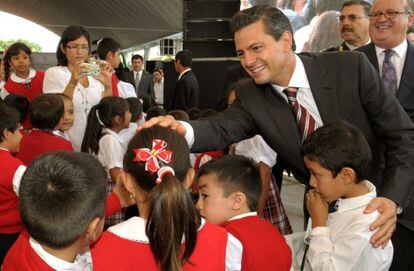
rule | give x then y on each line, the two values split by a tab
151	157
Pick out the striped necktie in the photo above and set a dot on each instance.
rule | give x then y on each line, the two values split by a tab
304	120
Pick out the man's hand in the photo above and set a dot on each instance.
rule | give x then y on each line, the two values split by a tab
386	222
318	208
165	121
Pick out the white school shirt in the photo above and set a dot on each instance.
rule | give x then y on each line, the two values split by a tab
111	150
126	90
82	262
397	59
128	133
56	80
133	229
304	97
344	244
256	149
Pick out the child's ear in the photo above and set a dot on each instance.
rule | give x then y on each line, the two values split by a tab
348	175
239	200
94	230
109	55
189	178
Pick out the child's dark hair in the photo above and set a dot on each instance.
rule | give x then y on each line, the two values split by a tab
107	45
9	120
20	103
146	102
208	113
71	33
14	50
135	107
106	109
60	194
172	214
337	145
155	111
45	111
193	113
235	173
179	115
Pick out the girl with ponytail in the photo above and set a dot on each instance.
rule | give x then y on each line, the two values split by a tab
169	235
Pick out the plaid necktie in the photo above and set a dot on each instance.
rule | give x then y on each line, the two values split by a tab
389	76
305	121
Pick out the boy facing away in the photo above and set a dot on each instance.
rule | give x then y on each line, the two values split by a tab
229	190
338	158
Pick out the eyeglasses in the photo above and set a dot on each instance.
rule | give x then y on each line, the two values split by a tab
389	14
76	47
351	17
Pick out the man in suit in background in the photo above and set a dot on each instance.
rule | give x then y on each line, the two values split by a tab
186	91
141	79
390	52
325	87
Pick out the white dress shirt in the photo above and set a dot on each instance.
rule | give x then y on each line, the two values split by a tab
344	244
140	75
181	74
397	59
159	91
256	149
56	80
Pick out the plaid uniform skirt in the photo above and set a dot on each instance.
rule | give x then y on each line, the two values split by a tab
274	210
117	217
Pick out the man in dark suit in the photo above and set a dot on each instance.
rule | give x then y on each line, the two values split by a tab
186	91
335	86
398	71
141	79
353	25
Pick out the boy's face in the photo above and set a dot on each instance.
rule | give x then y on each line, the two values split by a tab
68	118
13	139
114	58
322	180
212	204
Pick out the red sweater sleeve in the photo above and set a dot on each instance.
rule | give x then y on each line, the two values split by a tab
112	204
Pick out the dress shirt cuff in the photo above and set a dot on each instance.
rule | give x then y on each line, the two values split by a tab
189	133
320	231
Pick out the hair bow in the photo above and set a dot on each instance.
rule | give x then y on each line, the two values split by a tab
150	157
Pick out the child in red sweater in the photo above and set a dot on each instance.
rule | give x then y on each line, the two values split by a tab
23	80
45	113
11	171
229	190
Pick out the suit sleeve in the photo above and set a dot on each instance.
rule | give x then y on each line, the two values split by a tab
394	126
151	86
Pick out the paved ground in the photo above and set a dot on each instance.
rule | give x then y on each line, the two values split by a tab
292	198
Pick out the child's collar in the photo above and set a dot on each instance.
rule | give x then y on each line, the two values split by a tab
243	215
17	79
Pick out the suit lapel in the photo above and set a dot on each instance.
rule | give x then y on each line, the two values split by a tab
407	77
372	55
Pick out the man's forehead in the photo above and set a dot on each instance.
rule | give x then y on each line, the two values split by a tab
353	9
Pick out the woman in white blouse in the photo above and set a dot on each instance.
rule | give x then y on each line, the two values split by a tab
69	79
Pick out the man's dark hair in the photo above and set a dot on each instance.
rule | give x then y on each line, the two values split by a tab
193	113
275	21
107	45
137	57
45	111
235	173
410	29
337	145
9	120
135	107
179	115
20	103
365	5
60	194
185	58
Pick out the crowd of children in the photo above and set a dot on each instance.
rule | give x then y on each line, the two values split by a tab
72	159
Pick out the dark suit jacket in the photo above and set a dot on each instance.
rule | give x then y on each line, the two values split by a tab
345	87
341	48
405	92
186	92
146	84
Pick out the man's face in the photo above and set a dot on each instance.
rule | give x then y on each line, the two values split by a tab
261	55
389	32
354	25
137	64
157	76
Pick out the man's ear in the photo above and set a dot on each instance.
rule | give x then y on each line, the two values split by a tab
348	175
287	40
189	178
94	230
238	200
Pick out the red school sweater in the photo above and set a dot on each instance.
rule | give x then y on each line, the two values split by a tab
10	221
31	90
38	142
264	248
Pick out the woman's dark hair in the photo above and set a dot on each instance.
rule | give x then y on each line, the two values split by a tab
14	50
106	109
20	103
45	111
172	214
71	33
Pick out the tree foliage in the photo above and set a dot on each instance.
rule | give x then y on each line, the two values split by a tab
4	44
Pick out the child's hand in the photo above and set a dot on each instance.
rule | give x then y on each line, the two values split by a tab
317	208
122	193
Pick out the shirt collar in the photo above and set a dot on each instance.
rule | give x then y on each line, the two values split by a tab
298	79
115	135
3	149
400	50
353	47
181	74
345	205
82	262
243	216
15	78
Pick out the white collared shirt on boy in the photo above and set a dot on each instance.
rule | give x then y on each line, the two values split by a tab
345	243
82	262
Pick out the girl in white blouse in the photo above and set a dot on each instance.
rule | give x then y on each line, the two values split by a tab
70	78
